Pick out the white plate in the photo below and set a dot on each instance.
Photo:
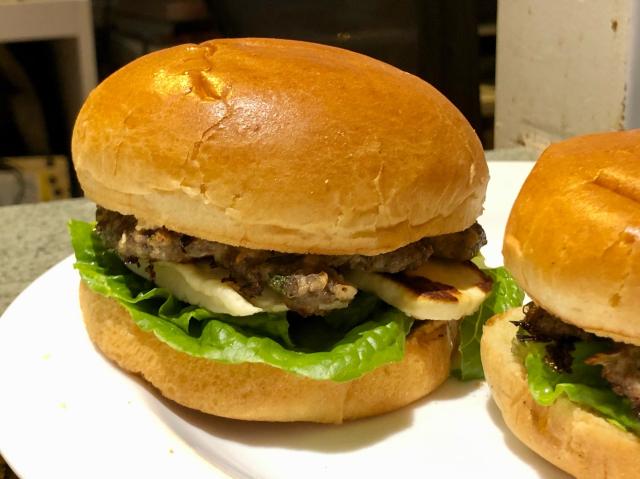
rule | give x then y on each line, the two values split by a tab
65	411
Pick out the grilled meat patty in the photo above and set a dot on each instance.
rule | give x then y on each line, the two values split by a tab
540	325
620	367
309	283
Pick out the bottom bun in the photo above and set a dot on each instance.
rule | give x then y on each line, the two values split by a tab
259	392
581	443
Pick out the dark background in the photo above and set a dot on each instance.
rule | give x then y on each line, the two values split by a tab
449	43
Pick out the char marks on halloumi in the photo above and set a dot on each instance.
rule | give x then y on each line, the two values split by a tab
439	290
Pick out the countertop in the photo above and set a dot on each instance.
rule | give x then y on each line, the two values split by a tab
34	238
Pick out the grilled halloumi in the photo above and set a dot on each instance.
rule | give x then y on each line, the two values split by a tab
207	287
439	290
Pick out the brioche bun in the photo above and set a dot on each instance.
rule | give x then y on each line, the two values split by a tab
581	443
573	238
259	392
279	145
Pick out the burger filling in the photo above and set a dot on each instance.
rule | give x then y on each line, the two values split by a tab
309	284
593	371
367	306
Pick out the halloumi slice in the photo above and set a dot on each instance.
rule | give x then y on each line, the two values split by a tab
439	290
207	287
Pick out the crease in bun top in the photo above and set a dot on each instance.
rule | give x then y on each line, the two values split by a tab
572	243
281	205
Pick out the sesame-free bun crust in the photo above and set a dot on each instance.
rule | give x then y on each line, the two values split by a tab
259	392
573	238
280	145
572	438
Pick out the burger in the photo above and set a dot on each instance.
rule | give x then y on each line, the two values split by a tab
565	370
283	232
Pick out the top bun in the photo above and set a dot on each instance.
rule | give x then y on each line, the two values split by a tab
573	237
280	145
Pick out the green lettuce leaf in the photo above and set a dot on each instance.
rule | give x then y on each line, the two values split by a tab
584	385
341	346
504	295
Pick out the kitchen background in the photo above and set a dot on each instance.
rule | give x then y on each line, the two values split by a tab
452	45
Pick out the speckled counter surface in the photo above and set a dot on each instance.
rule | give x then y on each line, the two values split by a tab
34	238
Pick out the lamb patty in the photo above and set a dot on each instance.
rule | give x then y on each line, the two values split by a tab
540	325
620	367
309	283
